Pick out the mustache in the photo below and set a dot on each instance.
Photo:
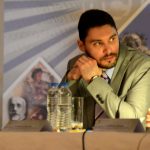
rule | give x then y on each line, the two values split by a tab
108	55
104	57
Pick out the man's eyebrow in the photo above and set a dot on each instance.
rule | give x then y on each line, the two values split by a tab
98	40
95	40
115	34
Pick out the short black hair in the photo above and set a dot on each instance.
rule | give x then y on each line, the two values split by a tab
35	71
93	18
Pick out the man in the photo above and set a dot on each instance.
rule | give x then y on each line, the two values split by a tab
127	94
17	108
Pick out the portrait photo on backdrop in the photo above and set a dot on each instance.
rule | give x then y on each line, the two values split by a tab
135	40
17	108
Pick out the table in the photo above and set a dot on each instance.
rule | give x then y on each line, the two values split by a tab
94	140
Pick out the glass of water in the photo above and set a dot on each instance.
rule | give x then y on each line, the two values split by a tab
77	113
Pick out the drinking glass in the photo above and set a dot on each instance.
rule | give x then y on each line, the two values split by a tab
77	113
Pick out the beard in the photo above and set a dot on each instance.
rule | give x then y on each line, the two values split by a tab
106	63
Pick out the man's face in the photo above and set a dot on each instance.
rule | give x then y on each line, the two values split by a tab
38	76
17	108
102	44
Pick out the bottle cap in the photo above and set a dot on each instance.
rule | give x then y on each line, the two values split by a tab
64	84
53	84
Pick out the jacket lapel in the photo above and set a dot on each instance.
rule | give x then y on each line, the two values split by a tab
120	68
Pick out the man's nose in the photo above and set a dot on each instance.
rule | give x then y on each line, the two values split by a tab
15	107
107	49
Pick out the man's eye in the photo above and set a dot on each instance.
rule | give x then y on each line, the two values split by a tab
112	39
97	43
18	105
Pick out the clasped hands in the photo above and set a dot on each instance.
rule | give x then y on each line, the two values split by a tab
85	67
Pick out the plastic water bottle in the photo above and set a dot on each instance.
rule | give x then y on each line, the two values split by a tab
64	108
53	97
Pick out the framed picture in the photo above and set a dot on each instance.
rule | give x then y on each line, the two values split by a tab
26	99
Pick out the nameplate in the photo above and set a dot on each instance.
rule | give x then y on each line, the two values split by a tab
27	126
120	125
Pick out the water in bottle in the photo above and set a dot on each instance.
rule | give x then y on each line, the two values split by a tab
64	108
53	97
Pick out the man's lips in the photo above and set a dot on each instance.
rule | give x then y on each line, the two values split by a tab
110	57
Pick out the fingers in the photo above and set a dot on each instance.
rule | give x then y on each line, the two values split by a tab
84	67
84	60
74	74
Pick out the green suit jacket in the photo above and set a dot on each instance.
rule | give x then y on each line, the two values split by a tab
128	91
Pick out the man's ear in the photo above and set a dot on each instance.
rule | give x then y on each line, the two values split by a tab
81	45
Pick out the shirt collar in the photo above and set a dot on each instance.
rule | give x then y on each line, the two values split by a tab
109	72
